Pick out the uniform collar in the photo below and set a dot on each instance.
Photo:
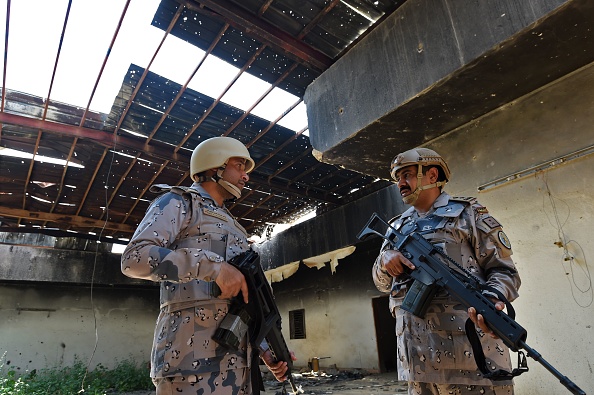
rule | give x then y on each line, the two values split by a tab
441	201
202	192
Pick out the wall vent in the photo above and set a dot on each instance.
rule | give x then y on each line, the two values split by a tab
297	324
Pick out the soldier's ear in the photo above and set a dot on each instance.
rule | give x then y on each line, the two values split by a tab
433	174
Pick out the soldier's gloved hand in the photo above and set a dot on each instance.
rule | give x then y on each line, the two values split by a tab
231	281
278	368
394	263
479	320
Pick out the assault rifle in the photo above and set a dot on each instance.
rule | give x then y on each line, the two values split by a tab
260	318
435	270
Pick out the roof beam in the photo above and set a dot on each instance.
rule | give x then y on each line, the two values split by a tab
99	136
69	220
264	32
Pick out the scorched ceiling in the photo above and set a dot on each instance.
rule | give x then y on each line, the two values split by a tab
154	123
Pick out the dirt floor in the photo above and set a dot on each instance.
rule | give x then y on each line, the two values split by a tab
343	382
332	381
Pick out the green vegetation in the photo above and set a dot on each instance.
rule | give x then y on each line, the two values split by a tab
125	377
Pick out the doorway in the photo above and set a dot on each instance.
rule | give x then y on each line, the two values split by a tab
385	333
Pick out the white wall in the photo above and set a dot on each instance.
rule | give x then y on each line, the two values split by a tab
537	211
51	326
339	325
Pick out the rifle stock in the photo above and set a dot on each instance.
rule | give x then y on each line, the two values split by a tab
431	269
264	317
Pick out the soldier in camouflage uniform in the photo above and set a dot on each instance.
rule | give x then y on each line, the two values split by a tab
434	353
184	242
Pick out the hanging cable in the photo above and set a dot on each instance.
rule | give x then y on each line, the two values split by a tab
569	260
98	242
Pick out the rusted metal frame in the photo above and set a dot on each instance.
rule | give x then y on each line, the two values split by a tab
264	32
164	116
146	70
148	185
353	179
249	110
185	86
218	100
321	180
122	179
102	138
84	116
263	201
5	59
364	34
92	181
61	184
73	220
313	23
271	124
301	195
262	218
280	147
314	167
44	115
286	166
243	197
264	7
287	215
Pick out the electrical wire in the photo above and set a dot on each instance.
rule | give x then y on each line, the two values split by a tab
106	210
569	260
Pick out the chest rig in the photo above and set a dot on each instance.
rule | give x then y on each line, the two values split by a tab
410	222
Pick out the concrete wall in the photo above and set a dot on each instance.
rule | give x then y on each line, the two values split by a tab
537	211
338	312
44	325
555	303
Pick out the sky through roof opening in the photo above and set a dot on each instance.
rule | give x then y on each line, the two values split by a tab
89	32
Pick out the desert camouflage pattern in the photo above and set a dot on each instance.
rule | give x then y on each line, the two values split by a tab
235	381
435	349
181	243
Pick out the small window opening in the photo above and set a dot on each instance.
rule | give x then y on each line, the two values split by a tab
297	324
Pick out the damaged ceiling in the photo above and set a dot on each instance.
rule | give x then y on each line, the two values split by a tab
154	123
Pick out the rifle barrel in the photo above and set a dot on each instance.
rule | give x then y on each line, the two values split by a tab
570	385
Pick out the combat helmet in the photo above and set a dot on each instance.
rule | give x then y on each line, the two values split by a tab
214	153
420	157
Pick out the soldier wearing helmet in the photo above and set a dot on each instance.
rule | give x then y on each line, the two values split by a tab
183	243
434	353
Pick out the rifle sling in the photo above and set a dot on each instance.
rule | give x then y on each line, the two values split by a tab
477	349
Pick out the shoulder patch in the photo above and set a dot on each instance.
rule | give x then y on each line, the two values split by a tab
482	210
215	214
491	222
503	239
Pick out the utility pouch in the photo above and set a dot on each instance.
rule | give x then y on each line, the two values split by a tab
418	297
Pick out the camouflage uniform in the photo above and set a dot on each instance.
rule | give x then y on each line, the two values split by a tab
180	243
435	349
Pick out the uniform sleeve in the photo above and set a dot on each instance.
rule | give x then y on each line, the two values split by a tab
493	252
382	280
149	254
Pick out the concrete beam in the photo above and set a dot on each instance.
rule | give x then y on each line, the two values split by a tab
330	231
50	265
435	65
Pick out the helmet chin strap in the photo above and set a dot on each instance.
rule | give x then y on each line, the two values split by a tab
412	198
232	189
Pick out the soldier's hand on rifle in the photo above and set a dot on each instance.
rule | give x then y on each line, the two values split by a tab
394	263
278	368
231	281
479	320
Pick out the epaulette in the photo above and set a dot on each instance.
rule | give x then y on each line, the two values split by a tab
466	199
179	190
